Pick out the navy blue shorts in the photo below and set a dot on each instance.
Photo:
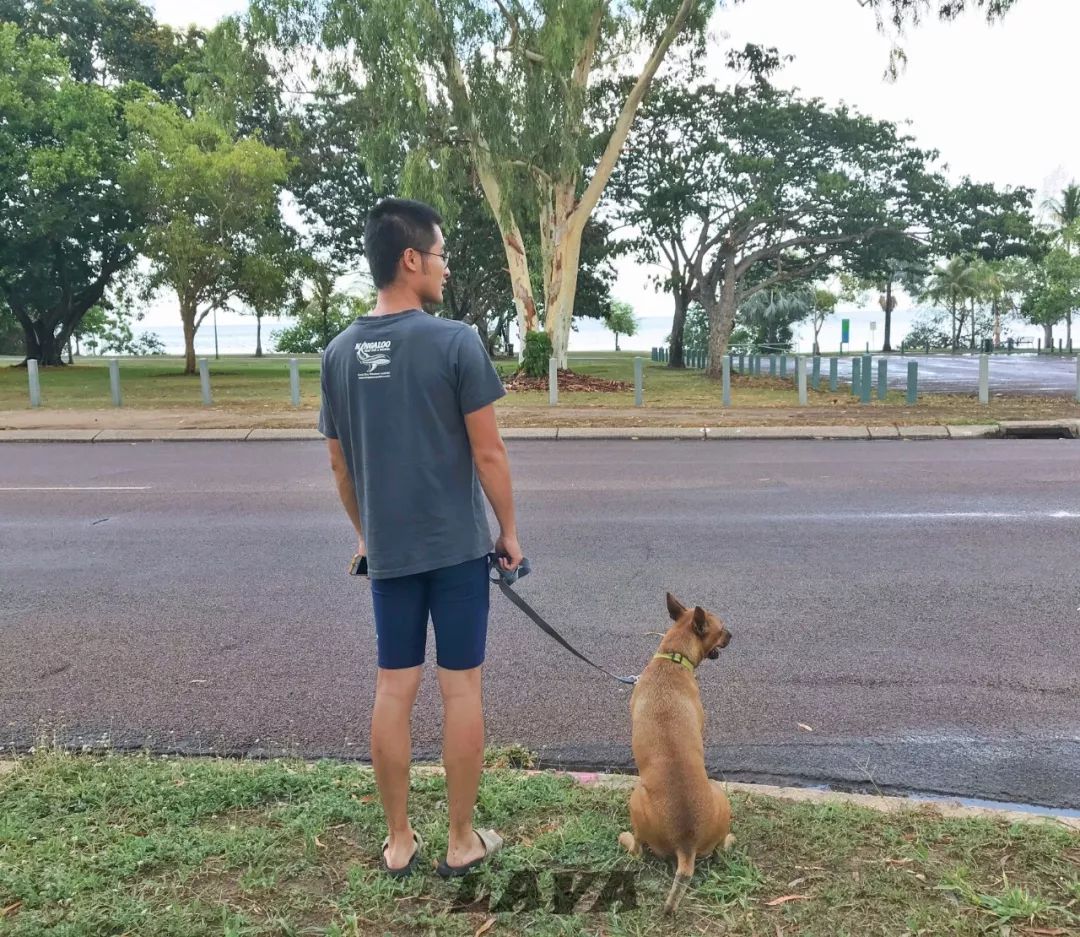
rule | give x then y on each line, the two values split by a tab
456	598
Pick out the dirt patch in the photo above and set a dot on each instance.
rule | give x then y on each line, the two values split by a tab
568	381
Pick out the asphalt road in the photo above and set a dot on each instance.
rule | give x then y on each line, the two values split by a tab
905	614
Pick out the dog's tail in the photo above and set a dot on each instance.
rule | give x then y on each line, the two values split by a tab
684	871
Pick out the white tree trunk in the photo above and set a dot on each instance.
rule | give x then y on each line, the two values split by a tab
561	233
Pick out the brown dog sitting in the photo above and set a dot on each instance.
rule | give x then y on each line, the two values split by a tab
676	809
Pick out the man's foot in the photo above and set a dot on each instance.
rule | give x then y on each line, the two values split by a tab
462	860
400	857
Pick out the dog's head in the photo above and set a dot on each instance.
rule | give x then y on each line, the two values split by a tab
697	625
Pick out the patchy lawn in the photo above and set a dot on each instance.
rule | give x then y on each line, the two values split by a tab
93	845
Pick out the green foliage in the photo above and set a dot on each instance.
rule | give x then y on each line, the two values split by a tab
67	218
930	329
621	321
318	321
105	332
538	351
213	208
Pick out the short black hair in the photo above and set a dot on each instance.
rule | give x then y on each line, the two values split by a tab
394	225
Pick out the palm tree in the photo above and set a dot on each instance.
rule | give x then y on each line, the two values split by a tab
954	282
1065	223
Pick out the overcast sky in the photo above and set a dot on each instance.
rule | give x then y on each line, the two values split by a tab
993	100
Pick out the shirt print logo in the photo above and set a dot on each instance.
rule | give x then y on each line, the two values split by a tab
374	358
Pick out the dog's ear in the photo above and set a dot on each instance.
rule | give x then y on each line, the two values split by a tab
701	623
675	608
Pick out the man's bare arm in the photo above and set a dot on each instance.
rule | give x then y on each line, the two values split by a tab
346	488
493	469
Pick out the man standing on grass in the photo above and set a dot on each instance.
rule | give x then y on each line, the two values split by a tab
410	424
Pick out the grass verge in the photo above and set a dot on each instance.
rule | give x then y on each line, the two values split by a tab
93	845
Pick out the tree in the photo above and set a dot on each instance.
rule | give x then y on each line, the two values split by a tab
109	43
516	78
824	305
762	188
1051	290
323	315
622	321
885	263
67	218
215	206
266	278
767	316
1065	220
108	331
954	282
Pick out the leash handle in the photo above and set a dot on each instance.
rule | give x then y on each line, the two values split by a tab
499	575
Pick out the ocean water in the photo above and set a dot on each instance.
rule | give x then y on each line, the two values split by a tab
238	337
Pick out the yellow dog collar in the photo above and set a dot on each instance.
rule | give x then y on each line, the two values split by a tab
678	658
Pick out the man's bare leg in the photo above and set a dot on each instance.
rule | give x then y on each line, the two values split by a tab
463	758
391	756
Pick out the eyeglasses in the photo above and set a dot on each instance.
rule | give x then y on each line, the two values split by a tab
444	256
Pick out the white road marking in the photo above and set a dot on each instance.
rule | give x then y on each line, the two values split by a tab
76	488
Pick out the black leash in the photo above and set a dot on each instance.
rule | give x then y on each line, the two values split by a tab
506	578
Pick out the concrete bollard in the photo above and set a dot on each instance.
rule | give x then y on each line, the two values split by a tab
912	383
294	381
553	382
856	376
772	365
783	367
882	378
742	363
834	375
34	378
815	376
204	380
984	379
800	379
639	382
867	378
114	382
727	382
1078	378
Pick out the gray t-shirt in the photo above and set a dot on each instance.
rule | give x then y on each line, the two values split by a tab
395	393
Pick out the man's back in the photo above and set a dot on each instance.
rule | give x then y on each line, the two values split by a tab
396	389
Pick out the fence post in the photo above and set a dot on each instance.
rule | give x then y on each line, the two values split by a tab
294	381
800	379
639	382
912	383
783	366
114	382
34	378
882	378
984	379
553	382
204	380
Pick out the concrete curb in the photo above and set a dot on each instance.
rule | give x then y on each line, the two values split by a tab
980	431
1016	429
924	432
788	432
